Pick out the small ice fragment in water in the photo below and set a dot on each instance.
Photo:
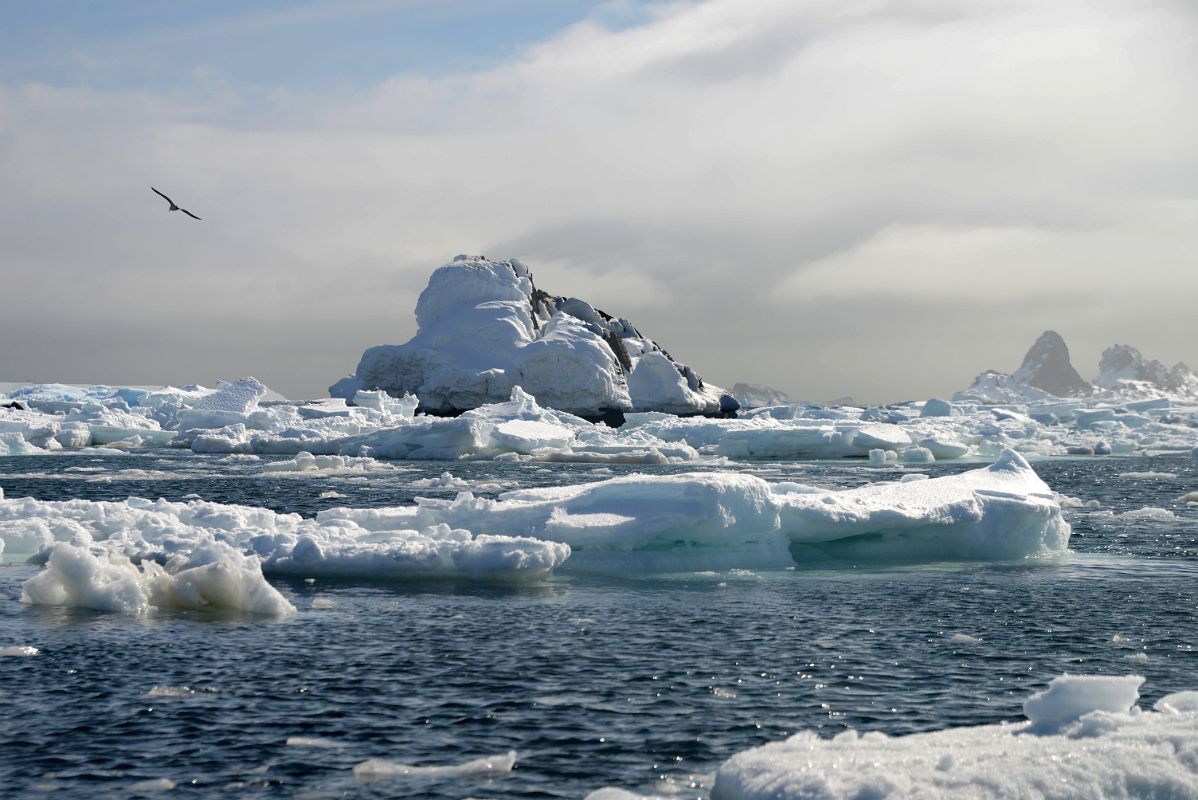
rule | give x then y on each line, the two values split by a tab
725	694
1150	513
964	638
377	768
152	785
1139	658
171	691
324	602
19	650
310	741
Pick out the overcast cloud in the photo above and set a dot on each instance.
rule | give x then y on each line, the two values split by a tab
877	199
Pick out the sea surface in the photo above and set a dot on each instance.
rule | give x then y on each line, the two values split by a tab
641	683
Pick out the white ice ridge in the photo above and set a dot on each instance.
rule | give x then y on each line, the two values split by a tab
714	520
1084	738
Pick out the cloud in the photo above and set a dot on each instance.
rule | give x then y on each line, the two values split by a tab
878	199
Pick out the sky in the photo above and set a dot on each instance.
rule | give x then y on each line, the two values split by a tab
877	199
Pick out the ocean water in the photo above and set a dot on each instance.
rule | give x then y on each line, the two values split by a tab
646	684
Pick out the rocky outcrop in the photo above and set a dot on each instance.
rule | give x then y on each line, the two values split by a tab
1125	375
757	395
1047	367
1123	364
483	328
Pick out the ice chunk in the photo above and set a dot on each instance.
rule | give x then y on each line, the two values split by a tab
1068	697
936	408
917	455
943	448
212	576
19	650
151	785
239	397
13	443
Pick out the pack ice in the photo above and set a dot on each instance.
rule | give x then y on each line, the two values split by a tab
1084	738
138	554
1125	415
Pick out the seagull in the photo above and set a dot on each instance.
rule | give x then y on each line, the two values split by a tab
172	202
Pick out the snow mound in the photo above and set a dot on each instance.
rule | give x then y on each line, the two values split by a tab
1110	750
484	328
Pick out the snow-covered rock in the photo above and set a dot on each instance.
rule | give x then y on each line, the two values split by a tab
483	328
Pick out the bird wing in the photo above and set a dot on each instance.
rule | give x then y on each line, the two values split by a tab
160	194
188	213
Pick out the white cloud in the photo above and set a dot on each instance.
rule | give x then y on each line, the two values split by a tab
817	195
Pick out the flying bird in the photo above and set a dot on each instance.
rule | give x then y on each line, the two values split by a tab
173	207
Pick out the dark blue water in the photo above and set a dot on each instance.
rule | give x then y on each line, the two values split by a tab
645	684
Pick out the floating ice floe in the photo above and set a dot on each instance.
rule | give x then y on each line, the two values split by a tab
723	520
1084	737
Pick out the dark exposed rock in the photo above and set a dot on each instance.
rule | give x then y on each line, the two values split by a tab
1047	367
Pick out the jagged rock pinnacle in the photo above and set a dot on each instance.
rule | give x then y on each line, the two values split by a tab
1046	366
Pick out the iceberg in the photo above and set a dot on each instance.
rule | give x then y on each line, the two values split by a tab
484	328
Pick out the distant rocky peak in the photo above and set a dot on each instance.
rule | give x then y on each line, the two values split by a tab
1183	380
1122	362
1047	367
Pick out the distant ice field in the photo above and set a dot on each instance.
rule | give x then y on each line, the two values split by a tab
643	683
